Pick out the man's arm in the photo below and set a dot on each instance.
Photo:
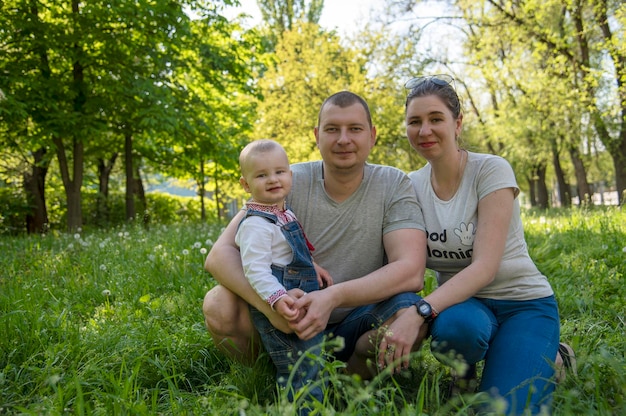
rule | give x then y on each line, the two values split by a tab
224	264
404	272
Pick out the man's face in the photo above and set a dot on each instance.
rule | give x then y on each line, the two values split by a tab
344	136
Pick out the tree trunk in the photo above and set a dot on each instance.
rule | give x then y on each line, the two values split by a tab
202	191
73	185
130	182
619	162
565	197
582	185
104	176
34	188
531	191
217	194
140	192
539	190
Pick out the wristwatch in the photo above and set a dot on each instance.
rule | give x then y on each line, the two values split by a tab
426	311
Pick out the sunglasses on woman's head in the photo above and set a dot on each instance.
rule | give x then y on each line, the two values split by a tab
442	80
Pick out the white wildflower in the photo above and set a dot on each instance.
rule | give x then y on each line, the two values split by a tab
197	244
203	250
103	267
77	236
106	293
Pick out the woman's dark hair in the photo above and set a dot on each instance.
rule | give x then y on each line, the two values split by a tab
442	89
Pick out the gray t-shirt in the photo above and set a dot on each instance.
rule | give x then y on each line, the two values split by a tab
348	236
451	226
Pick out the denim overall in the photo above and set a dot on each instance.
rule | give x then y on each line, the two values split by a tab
288	352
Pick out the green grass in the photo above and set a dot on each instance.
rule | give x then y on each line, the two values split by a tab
110	323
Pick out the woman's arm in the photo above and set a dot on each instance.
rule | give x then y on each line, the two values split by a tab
494	218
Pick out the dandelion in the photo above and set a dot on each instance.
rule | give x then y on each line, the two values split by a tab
106	293
203	250
77	236
624	249
151	257
103	267
209	242
197	244
185	252
70	246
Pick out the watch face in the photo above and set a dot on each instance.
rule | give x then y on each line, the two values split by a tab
424	309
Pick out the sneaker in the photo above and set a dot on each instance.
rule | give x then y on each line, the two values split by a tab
569	362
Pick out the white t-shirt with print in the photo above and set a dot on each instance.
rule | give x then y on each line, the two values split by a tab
451	227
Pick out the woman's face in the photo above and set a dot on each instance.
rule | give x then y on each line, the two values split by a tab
431	128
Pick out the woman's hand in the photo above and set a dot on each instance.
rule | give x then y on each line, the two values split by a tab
401	337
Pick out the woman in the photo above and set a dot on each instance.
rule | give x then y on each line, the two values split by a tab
491	303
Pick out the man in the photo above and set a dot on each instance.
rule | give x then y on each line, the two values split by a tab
368	233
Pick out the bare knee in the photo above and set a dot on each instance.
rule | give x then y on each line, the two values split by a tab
223	311
227	318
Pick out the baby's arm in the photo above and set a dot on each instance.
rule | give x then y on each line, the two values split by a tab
284	306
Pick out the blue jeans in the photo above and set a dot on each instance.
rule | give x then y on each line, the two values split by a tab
286	350
300	359
364	318
518	341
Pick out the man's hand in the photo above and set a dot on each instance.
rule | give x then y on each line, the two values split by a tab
318	306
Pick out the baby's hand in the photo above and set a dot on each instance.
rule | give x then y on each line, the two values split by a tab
323	277
284	306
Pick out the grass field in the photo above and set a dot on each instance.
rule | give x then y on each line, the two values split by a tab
110	323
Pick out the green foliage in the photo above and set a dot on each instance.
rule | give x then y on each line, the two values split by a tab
13	210
309	65
89	80
162	209
109	322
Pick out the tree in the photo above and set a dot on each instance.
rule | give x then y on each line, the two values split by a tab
282	15
78	76
309	65
577	39
575	54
